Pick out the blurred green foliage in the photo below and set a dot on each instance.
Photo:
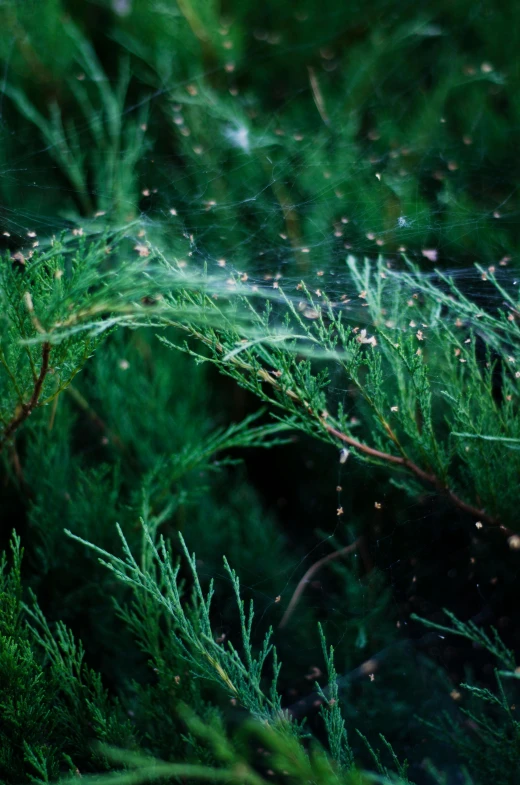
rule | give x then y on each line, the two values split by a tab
272	140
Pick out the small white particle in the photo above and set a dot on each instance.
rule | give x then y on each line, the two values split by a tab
239	137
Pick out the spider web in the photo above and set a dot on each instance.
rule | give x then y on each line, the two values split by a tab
284	188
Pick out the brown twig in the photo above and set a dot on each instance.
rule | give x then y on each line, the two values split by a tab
427	477
25	409
308	575
85	406
318	96
400	460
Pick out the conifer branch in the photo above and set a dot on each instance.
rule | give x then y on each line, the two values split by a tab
26	409
98	421
426	477
429	478
308	575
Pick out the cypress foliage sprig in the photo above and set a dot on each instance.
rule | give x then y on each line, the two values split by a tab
392	372
240	675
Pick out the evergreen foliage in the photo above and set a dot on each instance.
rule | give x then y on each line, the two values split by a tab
447	441
224	351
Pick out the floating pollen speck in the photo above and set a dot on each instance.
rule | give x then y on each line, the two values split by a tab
142	250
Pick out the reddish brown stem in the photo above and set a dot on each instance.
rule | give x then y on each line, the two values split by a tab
94	416
26	409
427	477
308	575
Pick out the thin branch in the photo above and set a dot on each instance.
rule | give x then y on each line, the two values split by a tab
25	409
85	406
427	477
318	96
308	575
